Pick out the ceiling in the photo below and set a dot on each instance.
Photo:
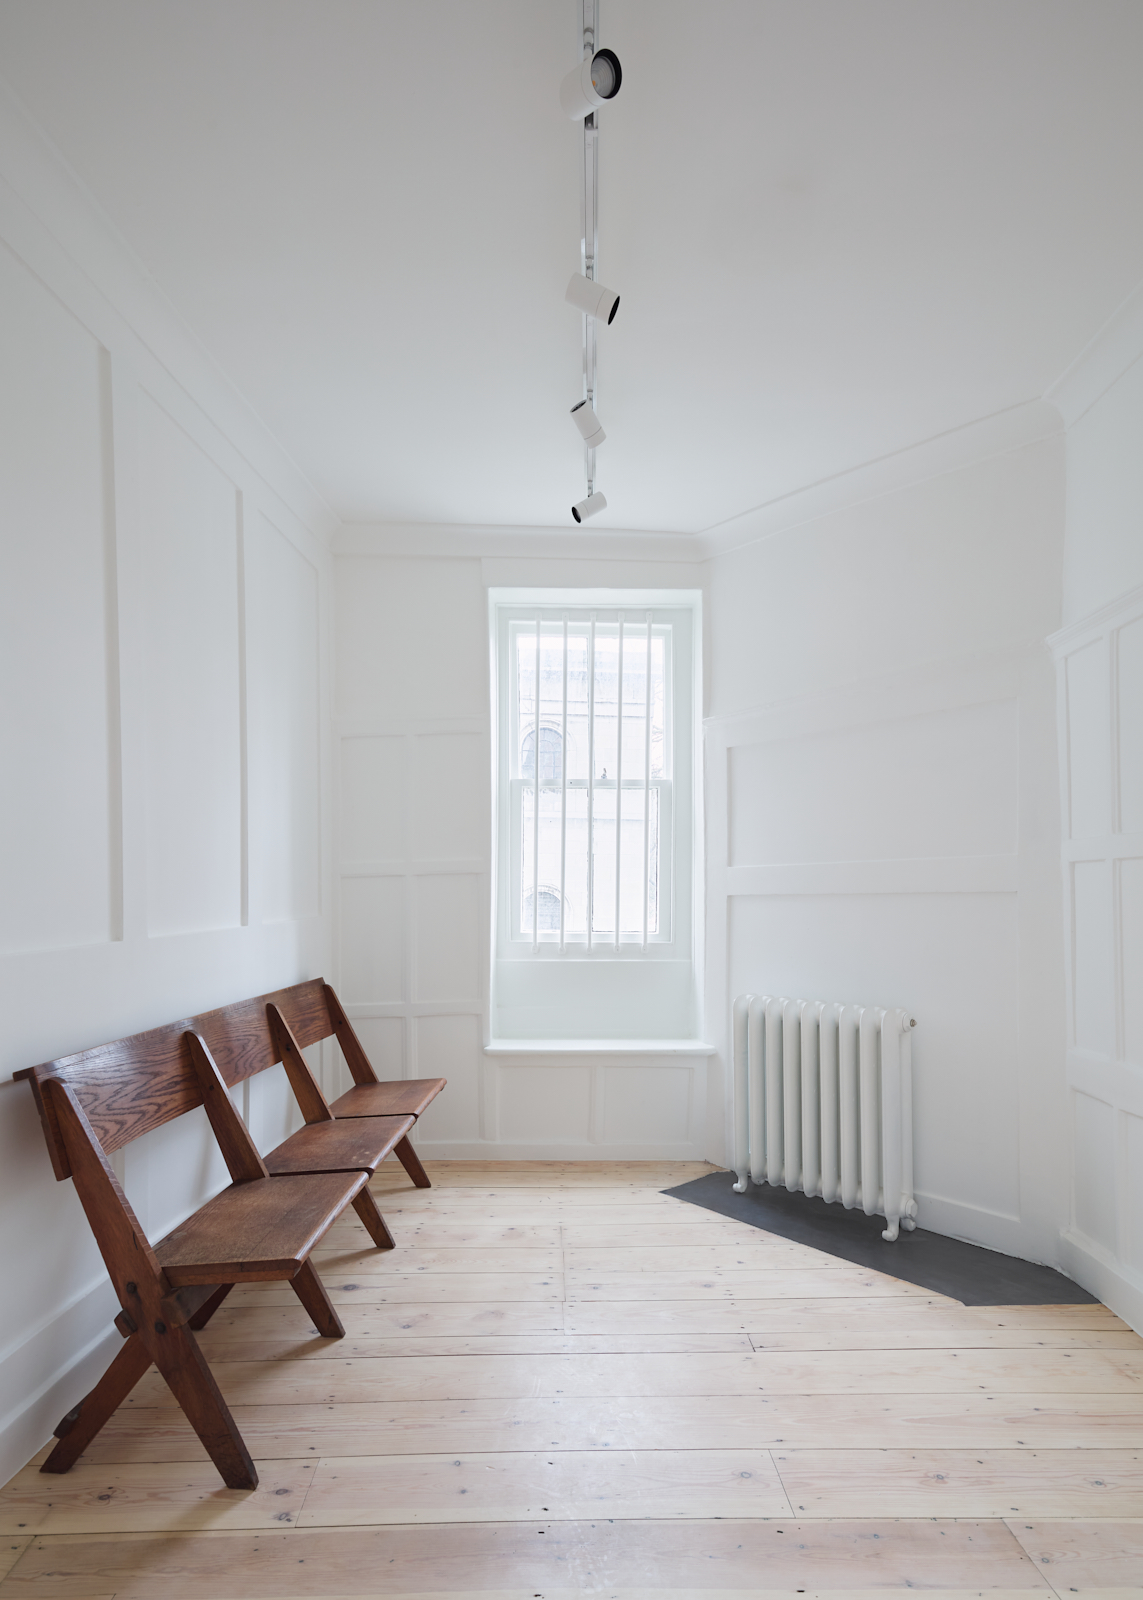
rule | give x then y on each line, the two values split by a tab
838	227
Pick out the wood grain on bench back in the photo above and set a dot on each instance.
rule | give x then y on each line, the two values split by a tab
133	1085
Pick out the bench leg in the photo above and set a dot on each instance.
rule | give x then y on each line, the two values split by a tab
311	1292
409	1159
191	1381
375	1224
204	1313
80	1426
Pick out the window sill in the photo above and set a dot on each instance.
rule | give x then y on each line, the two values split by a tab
599	1047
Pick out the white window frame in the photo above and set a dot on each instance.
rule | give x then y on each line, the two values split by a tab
676	943
515	786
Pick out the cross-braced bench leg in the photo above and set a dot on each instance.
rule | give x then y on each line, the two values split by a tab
409	1159
375	1224
81	1425
176	1354
311	1292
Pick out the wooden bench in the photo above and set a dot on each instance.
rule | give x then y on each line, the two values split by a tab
262	1227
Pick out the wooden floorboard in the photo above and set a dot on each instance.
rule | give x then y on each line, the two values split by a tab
414	1427
788	1555
834	1372
563	1381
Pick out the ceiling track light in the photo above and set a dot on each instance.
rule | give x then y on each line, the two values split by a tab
592	298
588	424
592	84
587	508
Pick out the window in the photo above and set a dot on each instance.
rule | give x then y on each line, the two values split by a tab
593	680
595	777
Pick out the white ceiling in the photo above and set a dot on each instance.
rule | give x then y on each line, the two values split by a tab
838	227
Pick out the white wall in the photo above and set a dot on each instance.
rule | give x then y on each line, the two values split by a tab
1099	656
413	734
163	587
881	814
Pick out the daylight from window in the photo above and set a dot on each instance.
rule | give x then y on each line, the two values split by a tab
602	729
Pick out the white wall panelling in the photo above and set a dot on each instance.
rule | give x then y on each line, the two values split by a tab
60	702
284	741
1099	667
880	821
190	537
937	929
596	1105
414	848
413	928
1100	707
165	584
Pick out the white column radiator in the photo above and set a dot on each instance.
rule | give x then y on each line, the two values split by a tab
823	1102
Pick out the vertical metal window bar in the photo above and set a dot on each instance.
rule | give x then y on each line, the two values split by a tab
564	789
647	791
536	805
618	776
589	224
590	779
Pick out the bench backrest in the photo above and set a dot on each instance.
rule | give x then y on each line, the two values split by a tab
133	1085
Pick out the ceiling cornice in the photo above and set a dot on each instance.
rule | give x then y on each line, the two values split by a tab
47	211
1007	430
1117	346
477	541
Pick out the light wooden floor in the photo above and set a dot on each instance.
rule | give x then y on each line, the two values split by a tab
564	1382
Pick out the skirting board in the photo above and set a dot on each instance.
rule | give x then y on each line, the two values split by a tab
30	1422
480	1150
995	1230
1084	1262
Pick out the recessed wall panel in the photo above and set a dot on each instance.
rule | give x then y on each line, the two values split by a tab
448	932
649	1104
189	530
274	1113
953	961
1133	1174
1130	648
372	940
1094	988
383	1040
373	799
1089	751
943	784
285	746
56	734
1094	1133
544	1104
450	1047
1131	934
411	634
170	1169
450	796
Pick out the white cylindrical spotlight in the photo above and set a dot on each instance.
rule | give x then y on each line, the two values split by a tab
587	508
587	295
588	424
591	84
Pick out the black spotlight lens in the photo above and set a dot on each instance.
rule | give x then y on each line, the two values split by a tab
606	74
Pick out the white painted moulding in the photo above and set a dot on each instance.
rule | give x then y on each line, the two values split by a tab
597	1047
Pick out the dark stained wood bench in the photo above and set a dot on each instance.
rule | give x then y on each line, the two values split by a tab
262	1227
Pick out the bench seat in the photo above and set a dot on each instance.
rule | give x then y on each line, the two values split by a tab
355	1144
406	1097
256	1231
